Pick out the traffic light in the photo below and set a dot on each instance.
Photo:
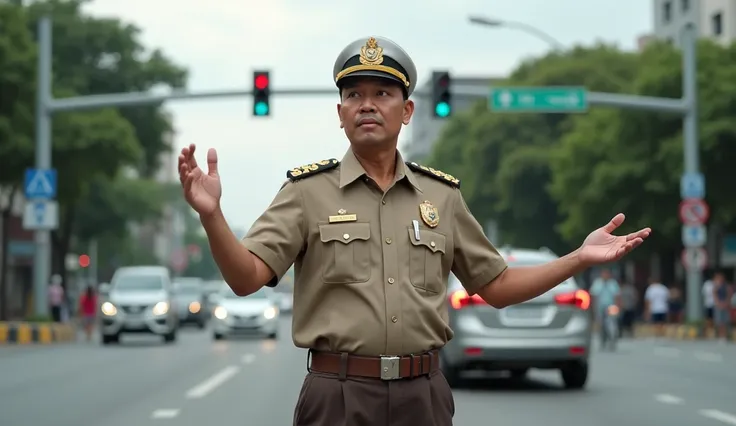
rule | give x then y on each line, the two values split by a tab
261	94
441	98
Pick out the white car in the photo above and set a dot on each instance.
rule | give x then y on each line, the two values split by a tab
140	300
254	315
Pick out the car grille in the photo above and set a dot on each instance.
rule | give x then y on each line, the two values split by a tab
245	317
133	309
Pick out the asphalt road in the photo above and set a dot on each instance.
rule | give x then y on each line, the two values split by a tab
250	382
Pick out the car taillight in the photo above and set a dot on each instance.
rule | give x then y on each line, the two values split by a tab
578	298
460	299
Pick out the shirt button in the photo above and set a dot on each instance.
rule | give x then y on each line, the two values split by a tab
383	202
394	319
346	236
388	240
390	280
432	244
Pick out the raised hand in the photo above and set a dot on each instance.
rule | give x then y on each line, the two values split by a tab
603	247
201	190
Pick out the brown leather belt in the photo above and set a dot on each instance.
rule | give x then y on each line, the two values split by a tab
384	367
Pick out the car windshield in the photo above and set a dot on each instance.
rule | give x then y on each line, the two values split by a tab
227	293
135	282
189	288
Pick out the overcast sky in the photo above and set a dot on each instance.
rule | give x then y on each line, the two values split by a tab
222	41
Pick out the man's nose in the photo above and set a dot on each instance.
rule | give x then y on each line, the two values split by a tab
367	106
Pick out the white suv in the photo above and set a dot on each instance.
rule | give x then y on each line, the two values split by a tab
141	300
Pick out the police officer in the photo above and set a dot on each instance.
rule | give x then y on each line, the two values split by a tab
374	240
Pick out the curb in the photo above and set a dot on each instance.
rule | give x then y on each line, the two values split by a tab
28	333
680	332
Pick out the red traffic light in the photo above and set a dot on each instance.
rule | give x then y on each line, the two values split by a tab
444	81
84	261
261	82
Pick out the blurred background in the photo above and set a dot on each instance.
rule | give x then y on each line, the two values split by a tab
539	171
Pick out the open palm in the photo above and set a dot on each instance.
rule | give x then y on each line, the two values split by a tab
601	246
201	190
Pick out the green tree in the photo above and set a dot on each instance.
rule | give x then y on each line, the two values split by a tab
17	90
503	159
631	161
97	56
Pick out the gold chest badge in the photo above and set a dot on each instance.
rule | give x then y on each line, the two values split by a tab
429	214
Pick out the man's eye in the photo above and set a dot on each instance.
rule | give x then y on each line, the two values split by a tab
352	94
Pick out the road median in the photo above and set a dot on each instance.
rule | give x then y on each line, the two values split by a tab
36	333
680	332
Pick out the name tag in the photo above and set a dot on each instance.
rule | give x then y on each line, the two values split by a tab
343	218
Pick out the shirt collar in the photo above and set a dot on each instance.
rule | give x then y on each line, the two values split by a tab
351	170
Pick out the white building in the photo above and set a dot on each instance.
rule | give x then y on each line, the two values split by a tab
425	128
713	18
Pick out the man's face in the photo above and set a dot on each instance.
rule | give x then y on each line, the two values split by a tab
719	278
606	274
372	111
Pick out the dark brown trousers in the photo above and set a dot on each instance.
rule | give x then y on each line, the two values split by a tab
325	400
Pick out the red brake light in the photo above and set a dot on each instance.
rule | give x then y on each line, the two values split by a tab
460	299
578	298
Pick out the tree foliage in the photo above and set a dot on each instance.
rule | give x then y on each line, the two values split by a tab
91	56
549	179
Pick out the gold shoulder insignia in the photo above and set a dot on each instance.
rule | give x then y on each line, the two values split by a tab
311	169
437	174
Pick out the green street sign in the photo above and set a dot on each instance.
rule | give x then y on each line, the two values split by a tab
539	99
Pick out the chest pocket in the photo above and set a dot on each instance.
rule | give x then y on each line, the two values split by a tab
347	256
425	260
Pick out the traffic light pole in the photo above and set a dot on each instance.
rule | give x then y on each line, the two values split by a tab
47	106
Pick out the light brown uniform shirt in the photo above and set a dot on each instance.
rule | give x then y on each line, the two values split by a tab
369	286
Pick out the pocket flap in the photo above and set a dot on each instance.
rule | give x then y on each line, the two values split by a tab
429	239
345	232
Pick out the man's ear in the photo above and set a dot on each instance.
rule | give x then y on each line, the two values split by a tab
408	112
339	108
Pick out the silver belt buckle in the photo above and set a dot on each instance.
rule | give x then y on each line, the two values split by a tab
390	367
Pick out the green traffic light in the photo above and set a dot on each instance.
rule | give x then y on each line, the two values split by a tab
261	108
442	109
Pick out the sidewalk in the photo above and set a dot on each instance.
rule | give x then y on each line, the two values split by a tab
680	332
28	333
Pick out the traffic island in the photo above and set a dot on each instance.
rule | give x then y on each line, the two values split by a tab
680	332
36	333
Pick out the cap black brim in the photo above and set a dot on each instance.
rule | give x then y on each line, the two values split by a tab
369	74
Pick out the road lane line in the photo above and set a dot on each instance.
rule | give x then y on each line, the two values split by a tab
666	398
165	414
248	358
726	418
204	388
708	357
666	352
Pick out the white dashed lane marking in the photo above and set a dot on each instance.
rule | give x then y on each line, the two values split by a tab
206	387
168	413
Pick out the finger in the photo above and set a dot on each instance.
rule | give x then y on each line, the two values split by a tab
643	233
183	173
212	162
614	223
188	183
192	160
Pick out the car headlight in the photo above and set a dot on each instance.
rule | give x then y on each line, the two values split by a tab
270	312
108	309
194	307
220	313
160	308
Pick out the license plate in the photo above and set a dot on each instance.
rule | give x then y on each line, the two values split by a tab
524	313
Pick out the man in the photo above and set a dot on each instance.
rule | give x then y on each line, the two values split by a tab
374	241
56	298
656	302
722	305
708	303
629	305
606	292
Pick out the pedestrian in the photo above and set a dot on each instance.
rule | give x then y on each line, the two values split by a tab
56	298
675	304
88	310
722	307
374	240
656	300
605	292
629	305
708	303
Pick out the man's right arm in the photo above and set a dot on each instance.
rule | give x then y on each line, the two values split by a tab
269	249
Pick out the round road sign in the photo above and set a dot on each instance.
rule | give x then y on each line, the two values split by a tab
694	211
694	258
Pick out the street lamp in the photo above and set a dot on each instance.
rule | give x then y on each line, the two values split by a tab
529	29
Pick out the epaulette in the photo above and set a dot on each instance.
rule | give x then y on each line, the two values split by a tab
437	174
311	169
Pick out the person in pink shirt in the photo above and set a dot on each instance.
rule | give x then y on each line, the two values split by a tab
88	310
56	297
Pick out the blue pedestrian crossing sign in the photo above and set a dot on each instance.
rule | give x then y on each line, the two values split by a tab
692	185
40	184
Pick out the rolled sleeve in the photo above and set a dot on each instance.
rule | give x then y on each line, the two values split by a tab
476	261
277	236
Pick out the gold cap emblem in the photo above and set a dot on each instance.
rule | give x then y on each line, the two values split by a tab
371	53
